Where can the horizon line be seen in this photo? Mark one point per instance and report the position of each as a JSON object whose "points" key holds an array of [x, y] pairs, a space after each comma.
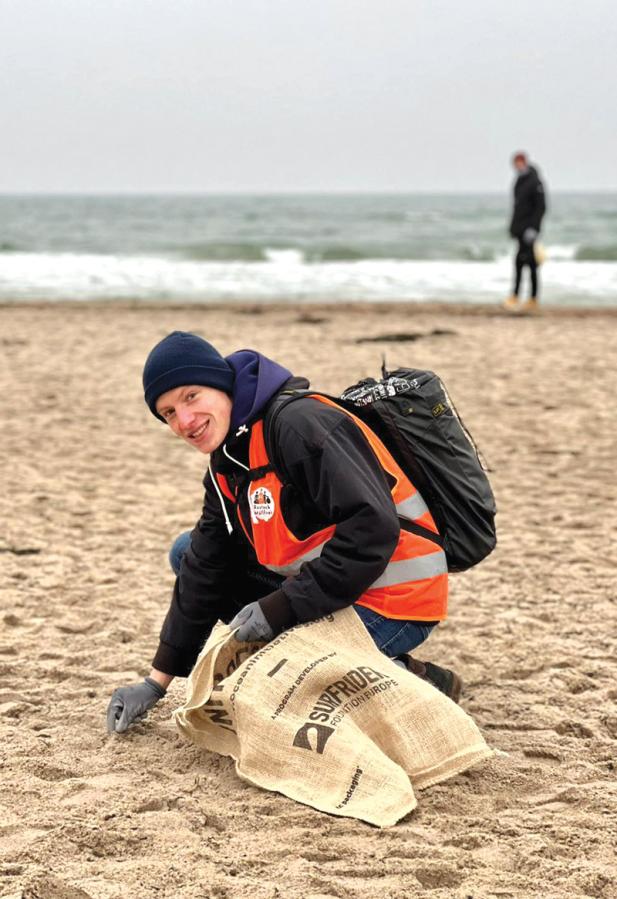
{"points": [[290, 193]]}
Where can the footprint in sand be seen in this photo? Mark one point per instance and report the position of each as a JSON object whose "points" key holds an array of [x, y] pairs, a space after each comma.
{"points": [[52, 888], [573, 729], [435, 877]]}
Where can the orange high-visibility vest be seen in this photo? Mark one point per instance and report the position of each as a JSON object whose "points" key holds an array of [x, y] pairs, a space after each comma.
{"points": [[414, 584]]}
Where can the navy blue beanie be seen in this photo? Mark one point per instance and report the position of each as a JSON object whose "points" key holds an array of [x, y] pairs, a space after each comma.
{"points": [[181, 359]]}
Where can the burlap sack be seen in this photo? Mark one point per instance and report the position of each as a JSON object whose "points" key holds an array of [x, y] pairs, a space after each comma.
{"points": [[320, 715]]}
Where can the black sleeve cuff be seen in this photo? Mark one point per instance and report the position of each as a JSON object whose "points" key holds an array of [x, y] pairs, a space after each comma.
{"points": [[175, 662], [278, 612]]}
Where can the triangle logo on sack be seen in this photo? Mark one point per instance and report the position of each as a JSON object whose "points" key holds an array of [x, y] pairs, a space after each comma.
{"points": [[262, 505]]}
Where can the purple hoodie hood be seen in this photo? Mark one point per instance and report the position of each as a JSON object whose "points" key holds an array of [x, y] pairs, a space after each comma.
{"points": [[257, 379]]}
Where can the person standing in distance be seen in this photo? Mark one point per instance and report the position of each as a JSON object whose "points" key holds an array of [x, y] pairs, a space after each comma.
{"points": [[528, 211], [316, 518]]}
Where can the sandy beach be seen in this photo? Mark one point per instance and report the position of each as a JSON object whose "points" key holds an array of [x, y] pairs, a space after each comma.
{"points": [[95, 490]]}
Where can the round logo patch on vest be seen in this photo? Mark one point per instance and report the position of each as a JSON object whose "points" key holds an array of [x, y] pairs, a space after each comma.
{"points": [[262, 504]]}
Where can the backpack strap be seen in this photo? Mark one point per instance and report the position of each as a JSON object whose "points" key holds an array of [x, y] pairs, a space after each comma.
{"points": [[275, 408], [420, 531], [283, 399]]}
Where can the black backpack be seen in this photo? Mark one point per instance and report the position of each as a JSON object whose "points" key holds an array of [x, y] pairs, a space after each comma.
{"points": [[411, 413]]}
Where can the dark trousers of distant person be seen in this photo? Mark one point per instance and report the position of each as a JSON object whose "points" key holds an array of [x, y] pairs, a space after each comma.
{"points": [[525, 256]]}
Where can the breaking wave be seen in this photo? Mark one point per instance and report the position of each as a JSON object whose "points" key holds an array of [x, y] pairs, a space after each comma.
{"points": [[315, 252], [286, 276]]}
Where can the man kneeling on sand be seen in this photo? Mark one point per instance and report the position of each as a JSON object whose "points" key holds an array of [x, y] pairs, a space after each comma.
{"points": [[296, 523]]}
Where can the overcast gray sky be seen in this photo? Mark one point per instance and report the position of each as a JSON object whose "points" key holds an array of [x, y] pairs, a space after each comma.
{"points": [[305, 95]]}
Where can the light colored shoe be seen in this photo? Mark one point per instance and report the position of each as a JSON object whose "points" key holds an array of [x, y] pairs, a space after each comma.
{"points": [[530, 305], [511, 304]]}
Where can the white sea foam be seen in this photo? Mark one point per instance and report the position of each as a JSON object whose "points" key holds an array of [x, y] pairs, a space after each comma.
{"points": [[285, 276], [284, 257], [561, 252]]}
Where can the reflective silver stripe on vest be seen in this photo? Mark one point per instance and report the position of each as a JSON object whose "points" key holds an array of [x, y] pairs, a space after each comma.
{"points": [[417, 569], [412, 508], [294, 567]]}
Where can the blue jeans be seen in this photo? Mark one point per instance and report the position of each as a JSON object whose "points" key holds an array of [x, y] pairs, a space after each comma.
{"points": [[178, 548], [391, 636]]}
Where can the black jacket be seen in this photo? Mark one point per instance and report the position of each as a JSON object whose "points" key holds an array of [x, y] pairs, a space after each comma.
{"points": [[331, 476], [529, 203]]}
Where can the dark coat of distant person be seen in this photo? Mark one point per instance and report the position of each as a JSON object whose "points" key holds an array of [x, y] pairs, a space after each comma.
{"points": [[529, 203]]}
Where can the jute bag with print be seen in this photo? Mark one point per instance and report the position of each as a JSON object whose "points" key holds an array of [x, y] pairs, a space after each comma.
{"points": [[320, 715]]}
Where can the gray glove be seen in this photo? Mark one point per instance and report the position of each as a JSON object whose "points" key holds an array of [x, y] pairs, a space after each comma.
{"points": [[130, 704], [252, 624], [529, 235]]}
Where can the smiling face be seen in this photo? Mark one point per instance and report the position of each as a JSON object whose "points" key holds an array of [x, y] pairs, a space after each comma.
{"points": [[199, 415]]}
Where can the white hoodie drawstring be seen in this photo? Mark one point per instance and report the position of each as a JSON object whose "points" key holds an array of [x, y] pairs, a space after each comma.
{"points": [[231, 458], [221, 500], [217, 488]]}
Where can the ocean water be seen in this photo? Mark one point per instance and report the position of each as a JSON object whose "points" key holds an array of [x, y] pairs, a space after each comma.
{"points": [[299, 248]]}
